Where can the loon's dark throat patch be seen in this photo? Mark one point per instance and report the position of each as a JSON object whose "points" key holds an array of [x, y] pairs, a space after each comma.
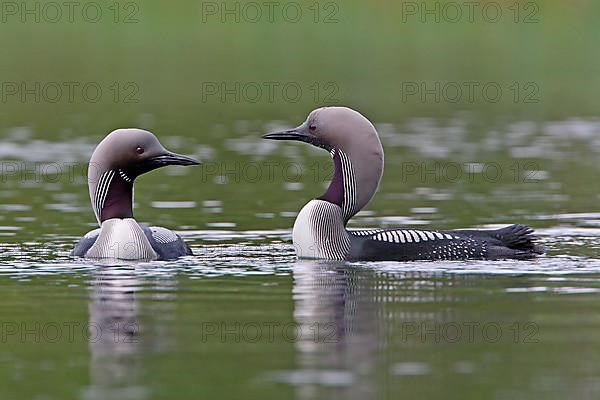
{"points": [[119, 199], [342, 189], [335, 191]]}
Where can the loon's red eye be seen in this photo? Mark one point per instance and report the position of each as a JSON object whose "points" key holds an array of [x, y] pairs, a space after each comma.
{"points": [[312, 127], [139, 150]]}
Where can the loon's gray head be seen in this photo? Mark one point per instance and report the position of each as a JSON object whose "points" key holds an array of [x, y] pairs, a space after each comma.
{"points": [[121, 157], [356, 150]]}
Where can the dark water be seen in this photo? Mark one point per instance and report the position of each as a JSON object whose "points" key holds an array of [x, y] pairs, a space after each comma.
{"points": [[243, 318]]}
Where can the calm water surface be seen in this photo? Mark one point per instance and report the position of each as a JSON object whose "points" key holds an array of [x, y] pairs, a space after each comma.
{"points": [[244, 318]]}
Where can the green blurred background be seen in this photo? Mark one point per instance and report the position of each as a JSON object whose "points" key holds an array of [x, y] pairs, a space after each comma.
{"points": [[368, 50]]}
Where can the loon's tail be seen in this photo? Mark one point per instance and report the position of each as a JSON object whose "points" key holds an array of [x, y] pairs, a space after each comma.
{"points": [[519, 238]]}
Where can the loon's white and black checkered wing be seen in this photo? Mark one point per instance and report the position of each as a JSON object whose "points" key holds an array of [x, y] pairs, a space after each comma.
{"points": [[405, 244], [514, 241], [167, 244], [85, 243], [404, 235]]}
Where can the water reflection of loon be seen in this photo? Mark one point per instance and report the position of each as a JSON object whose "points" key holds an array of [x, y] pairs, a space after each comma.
{"points": [[359, 313], [119, 339], [365, 344], [337, 318]]}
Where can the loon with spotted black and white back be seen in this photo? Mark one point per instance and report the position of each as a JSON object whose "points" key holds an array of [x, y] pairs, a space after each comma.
{"points": [[117, 161], [320, 227]]}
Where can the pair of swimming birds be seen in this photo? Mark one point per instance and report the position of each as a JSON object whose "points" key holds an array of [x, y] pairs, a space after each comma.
{"points": [[320, 228]]}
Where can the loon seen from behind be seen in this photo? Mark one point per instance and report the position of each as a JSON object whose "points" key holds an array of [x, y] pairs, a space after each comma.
{"points": [[320, 228], [117, 161]]}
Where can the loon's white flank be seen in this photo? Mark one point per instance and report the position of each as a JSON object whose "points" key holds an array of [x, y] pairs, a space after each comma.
{"points": [[319, 232], [123, 239]]}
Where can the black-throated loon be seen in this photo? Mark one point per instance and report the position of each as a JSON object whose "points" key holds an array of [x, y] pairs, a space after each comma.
{"points": [[320, 227], [121, 157]]}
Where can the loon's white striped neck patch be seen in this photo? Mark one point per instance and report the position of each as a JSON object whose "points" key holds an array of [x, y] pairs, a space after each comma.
{"points": [[103, 188], [124, 176], [101, 192], [349, 182]]}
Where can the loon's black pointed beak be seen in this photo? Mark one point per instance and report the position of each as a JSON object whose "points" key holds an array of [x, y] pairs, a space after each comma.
{"points": [[170, 158], [290, 134], [300, 134]]}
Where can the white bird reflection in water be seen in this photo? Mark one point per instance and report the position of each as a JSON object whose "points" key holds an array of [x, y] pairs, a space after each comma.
{"points": [[367, 332], [351, 323], [122, 332], [337, 319]]}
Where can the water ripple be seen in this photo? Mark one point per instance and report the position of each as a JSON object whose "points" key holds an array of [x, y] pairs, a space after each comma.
{"points": [[571, 250]]}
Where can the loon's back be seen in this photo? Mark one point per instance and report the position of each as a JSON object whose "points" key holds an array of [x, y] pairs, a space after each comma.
{"points": [[511, 242]]}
